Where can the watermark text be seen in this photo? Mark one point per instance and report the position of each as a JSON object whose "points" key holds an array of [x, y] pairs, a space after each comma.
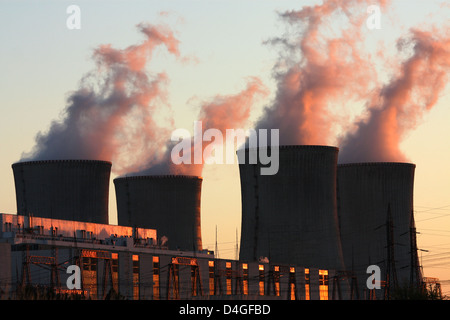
{"points": [[190, 150]]}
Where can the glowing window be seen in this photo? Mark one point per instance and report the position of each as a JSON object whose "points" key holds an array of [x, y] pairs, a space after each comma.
{"points": [[156, 293], [307, 292], [276, 276], [261, 279], [135, 259], [212, 277], [228, 277], [245, 278], [292, 284], [323, 284]]}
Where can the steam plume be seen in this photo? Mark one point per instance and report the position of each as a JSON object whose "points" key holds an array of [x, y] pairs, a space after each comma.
{"points": [[221, 113], [321, 66], [114, 112], [401, 103]]}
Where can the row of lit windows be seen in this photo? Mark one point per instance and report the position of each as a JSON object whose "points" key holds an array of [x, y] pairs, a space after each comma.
{"points": [[323, 281], [90, 264], [323, 284]]}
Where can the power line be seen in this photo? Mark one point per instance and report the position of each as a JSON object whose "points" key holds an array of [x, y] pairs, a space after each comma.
{"points": [[429, 211], [431, 208]]}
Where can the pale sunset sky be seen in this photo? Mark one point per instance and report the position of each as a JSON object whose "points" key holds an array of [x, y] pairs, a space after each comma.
{"points": [[224, 43]]}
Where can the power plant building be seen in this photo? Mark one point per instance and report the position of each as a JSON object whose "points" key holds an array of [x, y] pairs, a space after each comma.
{"points": [[308, 232], [118, 262]]}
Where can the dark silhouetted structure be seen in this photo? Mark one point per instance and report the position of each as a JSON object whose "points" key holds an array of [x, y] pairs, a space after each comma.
{"points": [[63, 189], [291, 216], [170, 204], [375, 203]]}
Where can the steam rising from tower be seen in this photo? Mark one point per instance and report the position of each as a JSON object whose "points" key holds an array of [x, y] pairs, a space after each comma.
{"points": [[115, 112], [321, 65], [400, 105], [119, 115], [220, 113], [167, 196]]}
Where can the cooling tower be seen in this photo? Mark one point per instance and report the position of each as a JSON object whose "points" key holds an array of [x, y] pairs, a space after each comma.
{"points": [[63, 189], [375, 203], [169, 204], [291, 217]]}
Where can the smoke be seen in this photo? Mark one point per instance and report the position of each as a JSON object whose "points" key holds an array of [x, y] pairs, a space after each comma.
{"points": [[119, 113], [220, 113], [116, 113], [321, 67], [399, 106]]}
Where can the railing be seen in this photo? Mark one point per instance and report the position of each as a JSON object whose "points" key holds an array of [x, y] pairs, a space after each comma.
{"points": [[109, 241]]}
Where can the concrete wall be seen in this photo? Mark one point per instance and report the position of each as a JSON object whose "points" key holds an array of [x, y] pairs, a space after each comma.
{"points": [[5, 270], [291, 217], [365, 193], [40, 275], [170, 204]]}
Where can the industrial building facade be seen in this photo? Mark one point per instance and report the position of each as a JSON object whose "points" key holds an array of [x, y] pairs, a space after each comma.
{"points": [[309, 232], [118, 262]]}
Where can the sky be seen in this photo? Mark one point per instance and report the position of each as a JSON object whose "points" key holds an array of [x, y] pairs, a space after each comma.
{"points": [[222, 44]]}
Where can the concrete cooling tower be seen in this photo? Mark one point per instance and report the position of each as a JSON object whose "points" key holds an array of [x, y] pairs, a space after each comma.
{"points": [[63, 189], [375, 205], [169, 204], [291, 217]]}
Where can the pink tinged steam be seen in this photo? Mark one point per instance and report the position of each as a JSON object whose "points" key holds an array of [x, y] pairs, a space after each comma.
{"points": [[399, 106], [112, 115]]}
